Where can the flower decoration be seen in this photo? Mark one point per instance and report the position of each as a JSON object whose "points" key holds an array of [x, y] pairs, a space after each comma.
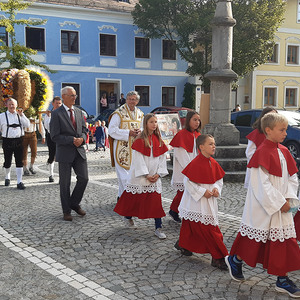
{"points": [[7, 77]]}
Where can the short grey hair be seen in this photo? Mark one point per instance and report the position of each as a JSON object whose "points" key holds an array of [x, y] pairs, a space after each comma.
{"points": [[65, 89], [13, 100], [133, 93]]}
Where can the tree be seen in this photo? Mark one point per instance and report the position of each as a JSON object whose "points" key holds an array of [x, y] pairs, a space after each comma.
{"points": [[16, 54], [188, 23]]}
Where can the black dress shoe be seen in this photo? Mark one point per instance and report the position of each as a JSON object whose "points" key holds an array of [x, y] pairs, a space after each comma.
{"points": [[32, 171], [175, 216], [21, 186], [219, 263], [7, 182], [26, 172], [183, 251], [79, 211], [51, 179], [68, 217]]}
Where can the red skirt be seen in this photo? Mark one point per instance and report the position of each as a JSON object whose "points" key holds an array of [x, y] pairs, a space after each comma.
{"points": [[143, 206], [278, 258], [176, 201], [297, 224], [200, 238]]}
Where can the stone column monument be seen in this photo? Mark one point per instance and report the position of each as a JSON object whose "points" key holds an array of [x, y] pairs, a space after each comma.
{"points": [[221, 76]]}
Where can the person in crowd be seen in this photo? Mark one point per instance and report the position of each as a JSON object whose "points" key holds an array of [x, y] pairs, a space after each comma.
{"points": [[124, 126], [87, 142], [30, 139], [12, 124], [103, 102], [142, 195], [198, 208], [185, 150], [267, 234], [69, 132], [255, 138], [122, 100], [56, 103], [112, 100], [237, 108], [106, 143], [100, 137]]}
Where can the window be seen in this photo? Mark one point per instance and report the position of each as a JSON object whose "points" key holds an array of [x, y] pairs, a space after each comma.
{"points": [[144, 93], [35, 38], [274, 57], [142, 47], [270, 96], [127, 1], [76, 87], [168, 96], [290, 97], [69, 41], [169, 50], [108, 44], [3, 36], [292, 55]]}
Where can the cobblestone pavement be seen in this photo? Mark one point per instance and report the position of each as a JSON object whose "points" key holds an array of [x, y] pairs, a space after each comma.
{"points": [[97, 257]]}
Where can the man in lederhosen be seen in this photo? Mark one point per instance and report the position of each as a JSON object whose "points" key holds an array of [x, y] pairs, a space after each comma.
{"points": [[12, 123]]}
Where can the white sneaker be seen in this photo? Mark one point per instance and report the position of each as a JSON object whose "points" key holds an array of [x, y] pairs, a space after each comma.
{"points": [[129, 222], [160, 234]]}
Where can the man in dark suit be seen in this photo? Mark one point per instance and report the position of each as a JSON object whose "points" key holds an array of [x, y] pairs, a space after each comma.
{"points": [[68, 131]]}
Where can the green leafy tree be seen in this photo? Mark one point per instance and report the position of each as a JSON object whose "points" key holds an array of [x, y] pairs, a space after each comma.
{"points": [[16, 54], [188, 23]]}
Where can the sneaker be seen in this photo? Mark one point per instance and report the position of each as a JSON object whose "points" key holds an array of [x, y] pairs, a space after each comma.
{"points": [[21, 186], [51, 179], [175, 216], [160, 234], [235, 270], [285, 285], [26, 172], [7, 182], [129, 222], [183, 251], [32, 171]]}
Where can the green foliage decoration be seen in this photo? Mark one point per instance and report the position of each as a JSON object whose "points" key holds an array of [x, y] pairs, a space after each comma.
{"points": [[189, 95]]}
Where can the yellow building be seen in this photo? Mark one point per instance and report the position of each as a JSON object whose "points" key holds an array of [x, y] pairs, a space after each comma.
{"points": [[277, 82]]}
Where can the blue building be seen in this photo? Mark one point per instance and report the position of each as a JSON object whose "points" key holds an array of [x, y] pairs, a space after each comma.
{"points": [[96, 48]]}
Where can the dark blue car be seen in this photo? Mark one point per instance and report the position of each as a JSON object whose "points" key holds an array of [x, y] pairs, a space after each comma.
{"points": [[243, 121]]}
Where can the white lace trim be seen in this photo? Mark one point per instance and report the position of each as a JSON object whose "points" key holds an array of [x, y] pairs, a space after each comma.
{"points": [[199, 217], [273, 234], [139, 189], [178, 186]]}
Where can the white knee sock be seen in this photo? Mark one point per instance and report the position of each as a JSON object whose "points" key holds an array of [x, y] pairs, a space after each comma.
{"points": [[51, 169], [7, 173], [19, 172]]}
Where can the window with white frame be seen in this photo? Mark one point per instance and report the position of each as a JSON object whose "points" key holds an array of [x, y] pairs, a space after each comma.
{"points": [[169, 50], [144, 92], [292, 55], [275, 55], [69, 41], [3, 36], [270, 96], [107, 44], [291, 97], [35, 38], [142, 49], [76, 87], [168, 96]]}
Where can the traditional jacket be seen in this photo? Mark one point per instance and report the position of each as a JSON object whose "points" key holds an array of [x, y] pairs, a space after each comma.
{"points": [[129, 120]]}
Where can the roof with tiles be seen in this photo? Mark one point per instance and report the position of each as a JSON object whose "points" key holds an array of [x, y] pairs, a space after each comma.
{"points": [[113, 5]]}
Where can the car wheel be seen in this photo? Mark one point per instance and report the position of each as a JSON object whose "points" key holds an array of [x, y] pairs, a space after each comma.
{"points": [[294, 148]]}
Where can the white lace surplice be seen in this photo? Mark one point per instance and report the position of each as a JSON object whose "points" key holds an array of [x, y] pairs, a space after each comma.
{"points": [[141, 166], [262, 219], [195, 207]]}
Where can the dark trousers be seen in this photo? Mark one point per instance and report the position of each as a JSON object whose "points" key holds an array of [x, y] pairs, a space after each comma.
{"points": [[157, 222], [51, 148], [71, 201], [12, 147]]}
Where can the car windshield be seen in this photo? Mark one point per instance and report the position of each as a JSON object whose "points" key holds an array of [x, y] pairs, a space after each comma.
{"points": [[292, 116], [182, 113]]}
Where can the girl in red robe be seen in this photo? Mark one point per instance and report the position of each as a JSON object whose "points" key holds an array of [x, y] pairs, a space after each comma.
{"points": [[185, 150], [142, 195]]}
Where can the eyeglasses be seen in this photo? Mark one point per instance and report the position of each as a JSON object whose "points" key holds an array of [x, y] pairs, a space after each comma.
{"points": [[73, 96]]}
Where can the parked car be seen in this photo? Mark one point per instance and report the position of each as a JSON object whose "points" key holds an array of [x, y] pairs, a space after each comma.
{"points": [[182, 112], [243, 121], [85, 113], [104, 116]]}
